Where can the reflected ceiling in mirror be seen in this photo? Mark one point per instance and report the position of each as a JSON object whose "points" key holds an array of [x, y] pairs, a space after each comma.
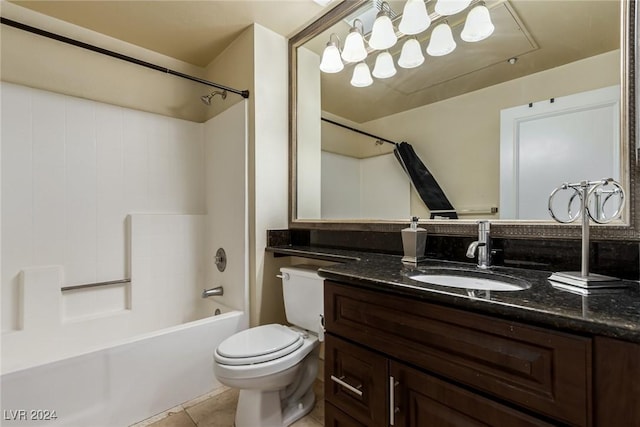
{"points": [[540, 34]]}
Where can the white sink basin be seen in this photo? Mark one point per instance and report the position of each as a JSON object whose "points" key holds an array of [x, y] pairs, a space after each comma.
{"points": [[470, 280]]}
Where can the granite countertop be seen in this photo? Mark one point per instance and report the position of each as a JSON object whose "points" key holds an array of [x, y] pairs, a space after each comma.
{"points": [[614, 314]]}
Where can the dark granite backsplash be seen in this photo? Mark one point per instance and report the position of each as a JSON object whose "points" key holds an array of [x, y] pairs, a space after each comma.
{"points": [[615, 258]]}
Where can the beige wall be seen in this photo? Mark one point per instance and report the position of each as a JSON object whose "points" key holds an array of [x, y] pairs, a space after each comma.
{"points": [[269, 161], [459, 139], [39, 62], [232, 68]]}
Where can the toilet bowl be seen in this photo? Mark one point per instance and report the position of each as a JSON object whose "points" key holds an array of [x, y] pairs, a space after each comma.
{"points": [[275, 366]]}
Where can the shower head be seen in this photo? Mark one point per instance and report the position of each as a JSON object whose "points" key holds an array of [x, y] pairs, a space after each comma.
{"points": [[206, 99]]}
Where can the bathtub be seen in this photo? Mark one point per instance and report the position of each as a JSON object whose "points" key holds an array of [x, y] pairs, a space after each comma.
{"points": [[123, 383]]}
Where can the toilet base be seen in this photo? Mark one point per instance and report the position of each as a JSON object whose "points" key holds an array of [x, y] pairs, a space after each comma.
{"points": [[284, 406], [267, 411], [293, 413]]}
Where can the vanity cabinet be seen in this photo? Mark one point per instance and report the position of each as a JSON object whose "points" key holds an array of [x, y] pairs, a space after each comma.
{"points": [[414, 397], [393, 360], [356, 382]]}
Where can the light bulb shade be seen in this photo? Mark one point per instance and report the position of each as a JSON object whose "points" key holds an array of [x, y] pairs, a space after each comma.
{"points": [[415, 18], [331, 62], [384, 67], [354, 50], [478, 25], [383, 36], [441, 42], [451, 7], [361, 76], [411, 55]]}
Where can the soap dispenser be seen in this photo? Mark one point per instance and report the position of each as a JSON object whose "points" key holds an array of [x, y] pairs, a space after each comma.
{"points": [[414, 242]]}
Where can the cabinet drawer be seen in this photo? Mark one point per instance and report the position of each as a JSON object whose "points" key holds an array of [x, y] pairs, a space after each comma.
{"points": [[541, 370], [422, 400], [334, 417], [355, 381]]}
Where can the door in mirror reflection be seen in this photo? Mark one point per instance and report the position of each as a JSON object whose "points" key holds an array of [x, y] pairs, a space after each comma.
{"points": [[569, 139]]}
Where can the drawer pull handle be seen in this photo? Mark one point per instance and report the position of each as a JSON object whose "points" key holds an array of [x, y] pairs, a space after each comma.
{"points": [[393, 409], [346, 385]]}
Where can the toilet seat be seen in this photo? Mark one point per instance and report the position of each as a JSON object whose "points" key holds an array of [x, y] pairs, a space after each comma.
{"points": [[237, 375], [258, 345]]}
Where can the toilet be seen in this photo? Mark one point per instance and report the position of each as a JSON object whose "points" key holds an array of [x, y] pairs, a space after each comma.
{"points": [[275, 366]]}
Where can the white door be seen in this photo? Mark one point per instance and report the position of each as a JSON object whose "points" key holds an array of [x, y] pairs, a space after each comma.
{"points": [[542, 145]]}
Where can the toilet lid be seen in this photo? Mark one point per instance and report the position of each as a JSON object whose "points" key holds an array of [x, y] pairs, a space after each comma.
{"points": [[258, 344]]}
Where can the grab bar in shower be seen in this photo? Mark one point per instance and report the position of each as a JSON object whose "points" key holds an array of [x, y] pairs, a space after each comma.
{"points": [[95, 285], [213, 292]]}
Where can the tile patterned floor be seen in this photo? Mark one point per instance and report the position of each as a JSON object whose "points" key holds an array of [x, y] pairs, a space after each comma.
{"points": [[218, 410]]}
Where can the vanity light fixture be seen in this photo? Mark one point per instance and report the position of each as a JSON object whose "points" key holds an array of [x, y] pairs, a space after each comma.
{"points": [[411, 55], [331, 62], [384, 67], [361, 75], [383, 36], [441, 42], [451, 7], [354, 50], [478, 25], [415, 18]]}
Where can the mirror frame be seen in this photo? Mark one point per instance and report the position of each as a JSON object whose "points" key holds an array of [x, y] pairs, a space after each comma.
{"points": [[499, 228]]}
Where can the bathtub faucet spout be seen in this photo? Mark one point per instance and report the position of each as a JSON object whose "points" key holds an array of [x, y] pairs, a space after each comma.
{"points": [[213, 292]]}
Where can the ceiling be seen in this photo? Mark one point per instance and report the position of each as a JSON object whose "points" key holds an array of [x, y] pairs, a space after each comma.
{"points": [[191, 31]]}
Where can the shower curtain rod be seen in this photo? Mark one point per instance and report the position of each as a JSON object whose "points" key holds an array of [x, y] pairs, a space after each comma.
{"points": [[359, 131], [30, 29]]}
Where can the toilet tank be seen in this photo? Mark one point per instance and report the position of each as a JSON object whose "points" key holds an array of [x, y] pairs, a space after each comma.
{"points": [[303, 291]]}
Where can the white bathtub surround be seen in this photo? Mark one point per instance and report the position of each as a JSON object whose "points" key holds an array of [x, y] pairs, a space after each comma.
{"points": [[354, 187], [41, 286], [93, 192], [227, 222], [72, 169], [167, 271]]}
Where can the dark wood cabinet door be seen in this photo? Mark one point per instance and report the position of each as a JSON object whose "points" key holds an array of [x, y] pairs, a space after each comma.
{"points": [[544, 371], [421, 400], [355, 381], [333, 417], [617, 383]]}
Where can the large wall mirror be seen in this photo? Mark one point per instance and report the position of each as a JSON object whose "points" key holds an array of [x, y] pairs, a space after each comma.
{"points": [[547, 97]]}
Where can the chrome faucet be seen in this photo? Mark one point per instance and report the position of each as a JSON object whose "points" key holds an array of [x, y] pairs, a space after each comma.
{"points": [[213, 292], [482, 245]]}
